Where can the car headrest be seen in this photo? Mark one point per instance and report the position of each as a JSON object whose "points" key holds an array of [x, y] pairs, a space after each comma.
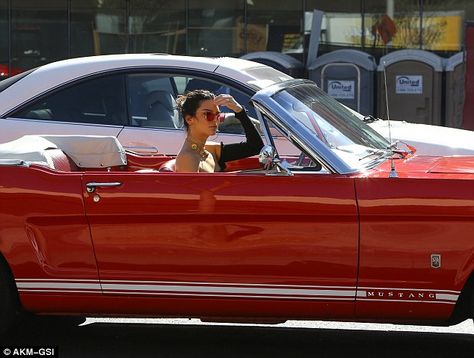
{"points": [[162, 110], [163, 97]]}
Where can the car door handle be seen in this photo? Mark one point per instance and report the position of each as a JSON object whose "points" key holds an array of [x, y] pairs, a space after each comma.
{"points": [[91, 186]]}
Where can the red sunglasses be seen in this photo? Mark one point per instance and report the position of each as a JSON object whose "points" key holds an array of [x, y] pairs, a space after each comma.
{"points": [[211, 116]]}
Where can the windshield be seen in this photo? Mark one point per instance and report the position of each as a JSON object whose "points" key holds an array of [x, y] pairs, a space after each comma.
{"points": [[335, 126]]}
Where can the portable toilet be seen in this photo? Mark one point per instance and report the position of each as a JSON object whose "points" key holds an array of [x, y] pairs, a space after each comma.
{"points": [[279, 61], [348, 76], [414, 82], [455, 70]]}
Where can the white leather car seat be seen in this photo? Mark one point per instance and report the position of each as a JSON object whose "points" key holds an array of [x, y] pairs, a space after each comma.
{"points": [[161, 110]]}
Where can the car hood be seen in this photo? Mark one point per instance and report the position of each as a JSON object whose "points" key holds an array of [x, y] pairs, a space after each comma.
{"points": [[460, 167], [453, 165], [428, 139]]}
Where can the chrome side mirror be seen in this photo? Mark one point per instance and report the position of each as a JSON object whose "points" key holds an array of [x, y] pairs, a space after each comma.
{"points": [[267, 157]]}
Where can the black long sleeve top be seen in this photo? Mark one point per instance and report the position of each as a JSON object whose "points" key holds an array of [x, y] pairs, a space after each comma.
{"points": [[250, 147]]}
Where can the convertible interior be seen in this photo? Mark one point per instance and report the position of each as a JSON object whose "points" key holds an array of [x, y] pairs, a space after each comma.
{"points": [[73, 153]]}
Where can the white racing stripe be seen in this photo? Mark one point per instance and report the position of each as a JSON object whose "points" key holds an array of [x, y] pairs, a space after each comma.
{"points": [[33, 290], [234, 290], [231, 284], [199, 289], [313, 298], [447, 297], [227, 290], [61, 285], [402, 301]]}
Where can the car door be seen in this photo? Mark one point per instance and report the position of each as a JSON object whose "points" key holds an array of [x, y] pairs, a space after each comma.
{"points": [[94, 106], [45, 237], [226, 243]]}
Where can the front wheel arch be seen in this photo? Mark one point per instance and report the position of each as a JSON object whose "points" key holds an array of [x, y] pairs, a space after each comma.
{"points": [[9, 301], [464, 308]]}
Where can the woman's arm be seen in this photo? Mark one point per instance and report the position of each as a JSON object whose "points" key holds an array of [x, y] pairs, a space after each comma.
{"points": [[250, 147]]}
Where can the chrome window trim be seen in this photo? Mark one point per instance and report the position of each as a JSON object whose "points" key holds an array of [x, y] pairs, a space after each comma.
{"points": [[315, 148], [309, 151]]}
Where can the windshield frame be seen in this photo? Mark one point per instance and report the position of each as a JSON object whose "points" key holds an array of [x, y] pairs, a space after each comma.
{"points": [[304, 138]]}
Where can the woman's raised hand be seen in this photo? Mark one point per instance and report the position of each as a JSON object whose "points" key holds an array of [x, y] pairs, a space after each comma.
{"points": [[228, 101]]}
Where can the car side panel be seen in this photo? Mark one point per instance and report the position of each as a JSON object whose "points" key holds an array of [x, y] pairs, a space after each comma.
{"points": [[406, 227], [44, 235], [228, 237]]}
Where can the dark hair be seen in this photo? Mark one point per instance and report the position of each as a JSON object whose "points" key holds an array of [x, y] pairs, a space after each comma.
{"points": [[188, 103]]}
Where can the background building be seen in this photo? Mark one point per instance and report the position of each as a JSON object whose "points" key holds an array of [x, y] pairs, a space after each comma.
{"points": [[35, 32]]}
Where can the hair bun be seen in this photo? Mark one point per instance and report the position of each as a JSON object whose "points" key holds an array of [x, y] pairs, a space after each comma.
{"points": [[180, 101]]}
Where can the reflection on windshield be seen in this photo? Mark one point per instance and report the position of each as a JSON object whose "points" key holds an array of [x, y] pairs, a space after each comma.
{"points": [[333, 125]]}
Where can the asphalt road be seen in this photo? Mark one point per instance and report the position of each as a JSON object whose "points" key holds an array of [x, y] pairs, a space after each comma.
{"points": [[191, 338]]}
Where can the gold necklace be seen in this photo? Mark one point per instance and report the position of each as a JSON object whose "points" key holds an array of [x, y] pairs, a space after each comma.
{"points": [[203, 153]]}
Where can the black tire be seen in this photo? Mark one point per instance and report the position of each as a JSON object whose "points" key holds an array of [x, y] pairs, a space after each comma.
{"points": [[464, 308], [472, 303], [33, 321], [8, 299]]}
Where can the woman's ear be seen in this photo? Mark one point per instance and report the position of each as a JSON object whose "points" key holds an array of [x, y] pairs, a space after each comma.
{"points": [[189, 119]]}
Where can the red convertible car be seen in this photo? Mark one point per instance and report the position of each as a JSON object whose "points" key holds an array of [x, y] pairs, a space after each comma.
{"points": [[341, 226]]}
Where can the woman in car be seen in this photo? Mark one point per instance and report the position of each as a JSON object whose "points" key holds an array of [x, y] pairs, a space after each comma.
{"points": [[200, 111]]}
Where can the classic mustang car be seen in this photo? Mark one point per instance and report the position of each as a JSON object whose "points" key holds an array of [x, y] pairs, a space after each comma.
{"points": [[132, 97], [334, 224]]}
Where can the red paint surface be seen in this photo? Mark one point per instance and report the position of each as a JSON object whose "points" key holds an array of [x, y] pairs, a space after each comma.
{"points": [[263, 243]]}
